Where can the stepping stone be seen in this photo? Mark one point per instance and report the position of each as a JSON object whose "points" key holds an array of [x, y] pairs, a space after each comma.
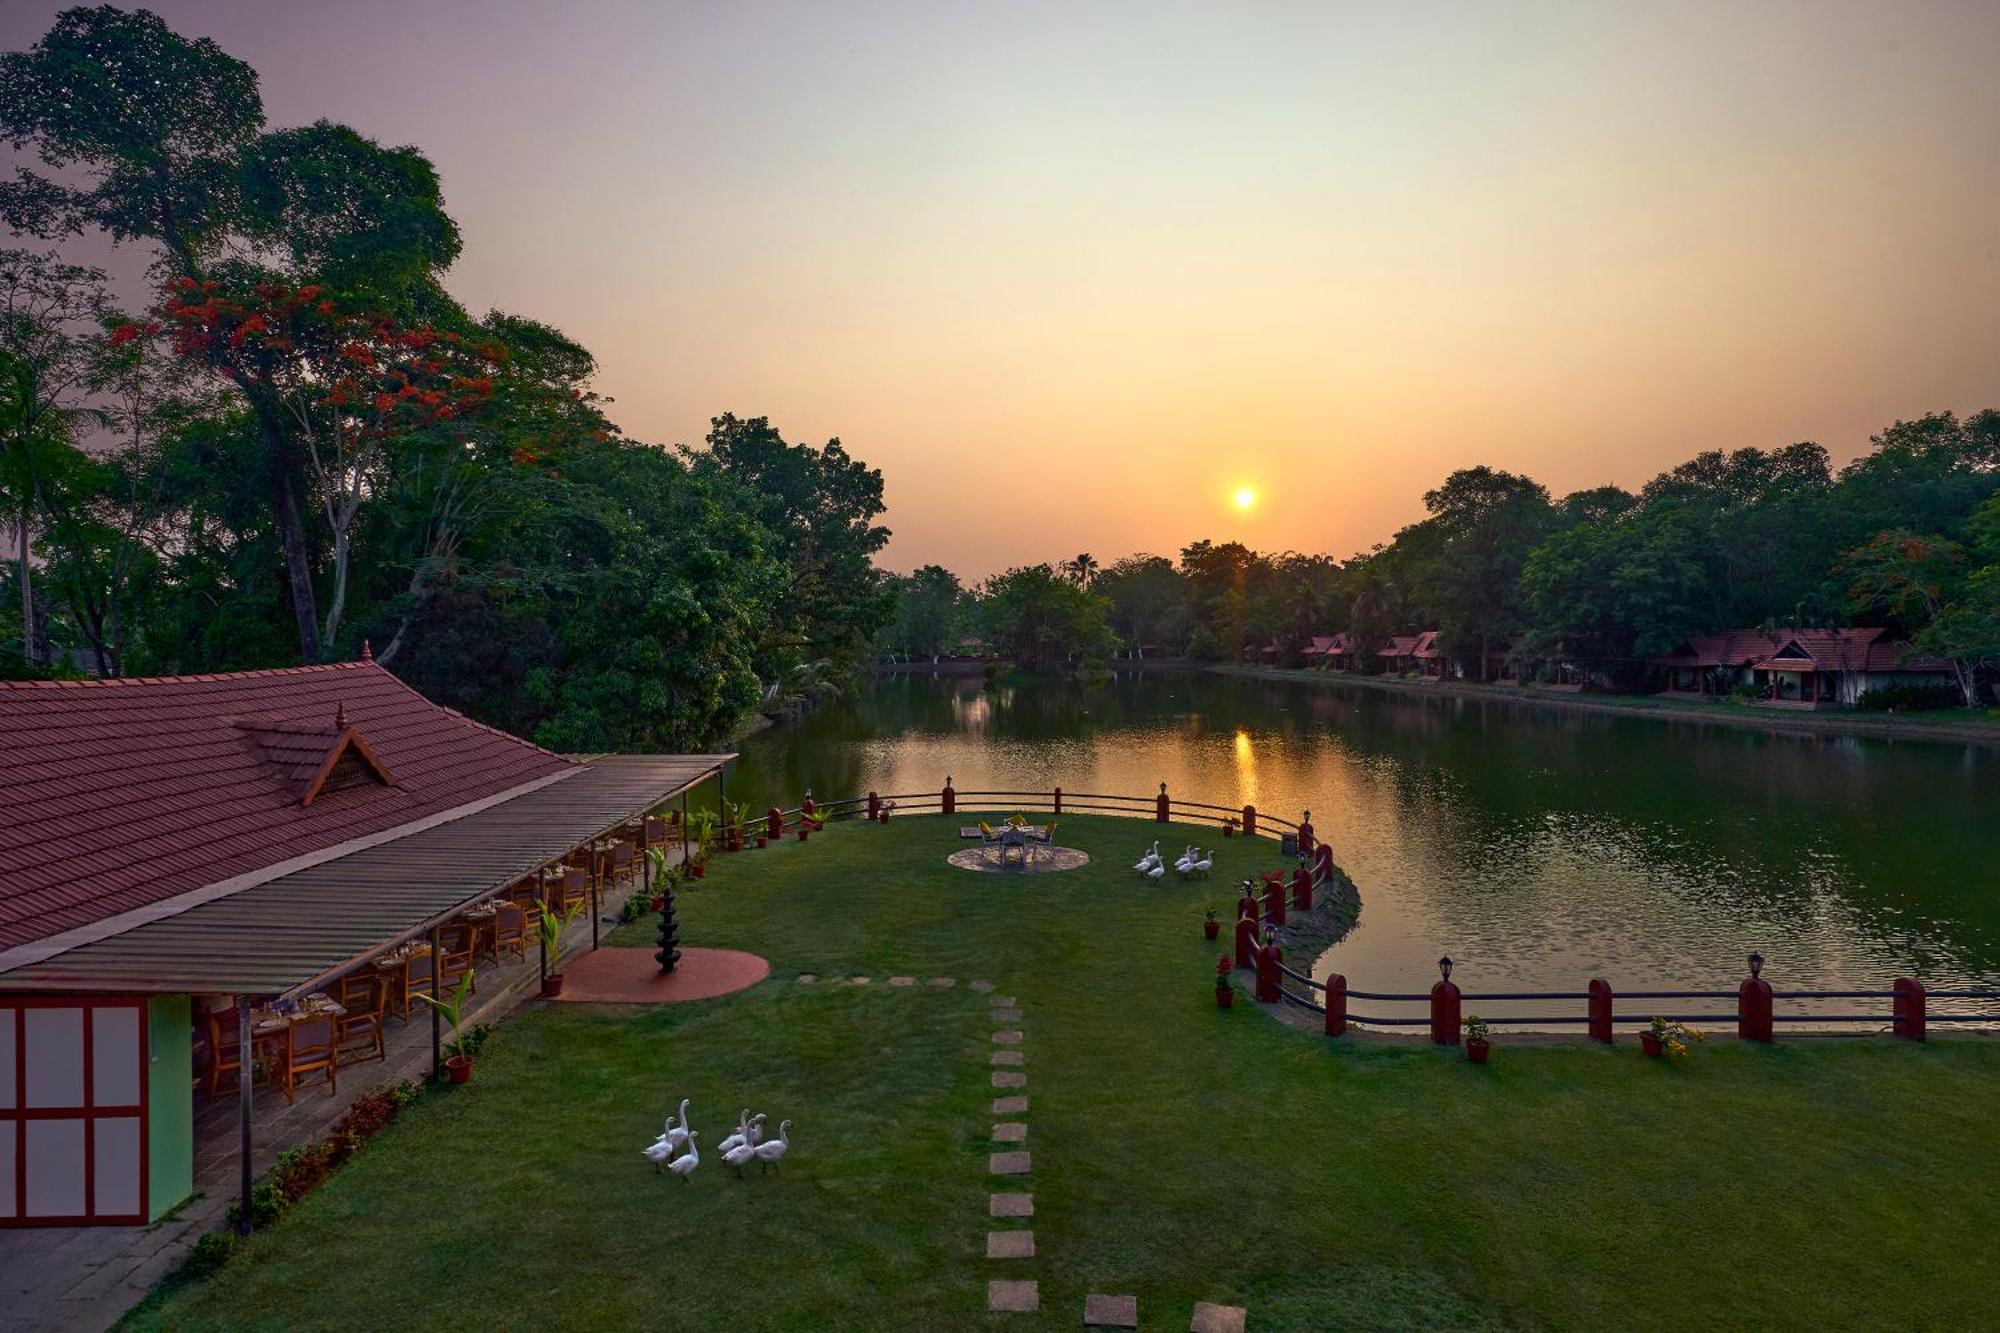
{"points": [[1011, 1205], [980, 985], [1003, 1002], [1012, 1297], [902, 981], [1011, 1131], [1011, 1037], [1010, 1245], [807, 978], [942, 982], [1210, 1318], [1006, 1015], [1009, 1057], [1010, 1106], [1009, 1078], [1110, 1311], [1007, 1163]]}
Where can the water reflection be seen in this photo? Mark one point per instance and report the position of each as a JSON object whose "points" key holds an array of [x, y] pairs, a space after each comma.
{"points": [[1538, 847]]}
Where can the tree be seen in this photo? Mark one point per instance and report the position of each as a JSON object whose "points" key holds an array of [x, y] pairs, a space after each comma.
{"points": [[1485, 524], [928, 613], [1148, 599], [1041, 619], [1932, 584], [1080, 569]]}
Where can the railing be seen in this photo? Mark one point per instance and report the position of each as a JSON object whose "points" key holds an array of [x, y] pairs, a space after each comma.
{"points": [[1909, 1012]]}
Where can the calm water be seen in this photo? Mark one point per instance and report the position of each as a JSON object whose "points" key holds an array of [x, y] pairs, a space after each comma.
{"points": [[1538, 847]]}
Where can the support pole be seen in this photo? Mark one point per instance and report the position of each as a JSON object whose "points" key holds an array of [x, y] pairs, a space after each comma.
{"points": [[437, 1019], [684, 828], [246, 1063]]}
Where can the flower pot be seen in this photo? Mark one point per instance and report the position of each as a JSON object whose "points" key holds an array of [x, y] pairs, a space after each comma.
{"points": [[459, 1067], [658, 903], [1225, 997], [1652, 1045], [803, 833], [1211, 928], [763, 840], [1477, 1049], [696, 869], [552, 984]]}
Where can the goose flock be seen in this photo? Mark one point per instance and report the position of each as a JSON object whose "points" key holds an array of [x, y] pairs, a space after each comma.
{"points": [[746, 1145], [1193, 861]]}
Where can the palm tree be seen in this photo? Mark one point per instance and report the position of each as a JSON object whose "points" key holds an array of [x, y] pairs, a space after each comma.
{"points": [[1082, 570]]}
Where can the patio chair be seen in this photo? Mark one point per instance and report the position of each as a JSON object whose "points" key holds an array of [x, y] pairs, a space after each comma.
{"points": [[510, 931], [305, 1048], [419, 978], [624, 865], [359, 1034], [225, 1053], [990, 839], [456, 941], [573, 891]]}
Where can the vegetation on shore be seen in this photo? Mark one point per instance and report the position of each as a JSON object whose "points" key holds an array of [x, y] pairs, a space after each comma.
{"points": [[1180, 1152]]}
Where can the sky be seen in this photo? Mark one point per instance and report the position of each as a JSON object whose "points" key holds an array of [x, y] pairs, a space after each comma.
{"points": [[1074, 276]]}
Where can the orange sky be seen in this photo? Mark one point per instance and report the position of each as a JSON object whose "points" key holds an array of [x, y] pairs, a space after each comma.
{"points": [[1071, 278]]}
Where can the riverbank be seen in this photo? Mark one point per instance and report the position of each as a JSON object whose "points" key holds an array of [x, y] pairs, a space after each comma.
{"points": [[1882, 725]]}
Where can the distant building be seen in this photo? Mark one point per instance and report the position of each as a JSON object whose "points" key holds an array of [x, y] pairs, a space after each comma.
{"points": [[1800, 668]]}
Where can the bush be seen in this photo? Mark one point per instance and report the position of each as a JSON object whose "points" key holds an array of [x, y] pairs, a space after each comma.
{"points": [[1911, 696], [209, 1253]]}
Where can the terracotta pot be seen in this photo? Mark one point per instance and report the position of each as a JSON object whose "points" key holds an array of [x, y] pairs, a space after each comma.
{"points": [[696, 869], [1211, 928], [552, 984], [803, 833], [1225, 997], [1477, 1049], [1652, 1045], [659, 903], [763, 840], [459, 1067]]}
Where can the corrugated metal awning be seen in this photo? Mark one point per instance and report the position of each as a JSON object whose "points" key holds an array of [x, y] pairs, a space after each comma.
{"points": [[296, 931]]}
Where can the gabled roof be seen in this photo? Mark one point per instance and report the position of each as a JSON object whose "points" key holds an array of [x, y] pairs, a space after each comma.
{"points": [[118, 794], [1426, 644], [1728, 648], [1860, 649]]}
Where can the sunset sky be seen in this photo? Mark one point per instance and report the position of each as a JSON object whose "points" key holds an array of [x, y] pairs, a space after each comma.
{"points": [[1074, 275]]}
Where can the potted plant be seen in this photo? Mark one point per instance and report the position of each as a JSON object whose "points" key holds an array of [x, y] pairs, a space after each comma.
{"points": [[1668, 1036], [458, 1064], [1225, 987], [1211, 925], [701, 840], [1229, 827], [553, 927], [1477, 1044], [666, 877]]}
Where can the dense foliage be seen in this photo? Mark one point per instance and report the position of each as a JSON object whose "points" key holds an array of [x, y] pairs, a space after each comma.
{"points": [[301, 442], [1906, 536]]}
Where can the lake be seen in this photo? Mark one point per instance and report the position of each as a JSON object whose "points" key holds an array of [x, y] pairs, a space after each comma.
{"points": [[1539, 847]]}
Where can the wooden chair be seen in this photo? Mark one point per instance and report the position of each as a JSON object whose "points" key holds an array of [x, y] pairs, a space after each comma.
{"points": [[225, 1053], [457, 942], [419, 978], [510, 931], [572, 892], [361, 1034], [306, 1047], [624, 866]]}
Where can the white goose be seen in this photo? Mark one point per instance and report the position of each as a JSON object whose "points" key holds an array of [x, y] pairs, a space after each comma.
{"points": [[1206, 864], [1158, 872], [684, 1166], [770, 1154], [748, 1130], [674, 1135], [1186, 863], [1149, 860], [739, 1157]]}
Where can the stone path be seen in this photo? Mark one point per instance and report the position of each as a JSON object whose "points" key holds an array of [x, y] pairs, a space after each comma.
{"points": [[1011, 1245]]}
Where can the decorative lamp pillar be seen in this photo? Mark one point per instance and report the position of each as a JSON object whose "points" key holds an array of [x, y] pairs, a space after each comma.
{"points": [[1274, 902], [1302, 890], [1336, 1005], [1057, 808], [1249, 821], [948, 799], [1600, 1011], [1445, 1006], [874, 806], [1268, 959], [1246, 940], [1306, 835], [1160, 805], [1753, 1004], [1247, 904], [670, 933], [1909, 1008], [808, 810], [774, 823], [1322, 863]]}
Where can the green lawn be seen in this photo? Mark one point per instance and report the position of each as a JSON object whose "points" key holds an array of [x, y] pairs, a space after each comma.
{"points": [[1180, 1153]]}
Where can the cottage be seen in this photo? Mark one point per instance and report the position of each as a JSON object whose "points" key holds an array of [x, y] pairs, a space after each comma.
{"points": [[1801, 668], [1414, 652], [187, 859]]}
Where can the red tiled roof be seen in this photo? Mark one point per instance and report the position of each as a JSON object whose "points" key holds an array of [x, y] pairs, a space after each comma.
{"points": [[115, 794], [1730, 648]]}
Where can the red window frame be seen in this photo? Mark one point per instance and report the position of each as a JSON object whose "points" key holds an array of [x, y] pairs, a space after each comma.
{"points": [[13, 1010]]}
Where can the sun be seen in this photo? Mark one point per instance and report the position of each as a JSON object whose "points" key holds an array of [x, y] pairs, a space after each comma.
{"points": [[1245, 499]]}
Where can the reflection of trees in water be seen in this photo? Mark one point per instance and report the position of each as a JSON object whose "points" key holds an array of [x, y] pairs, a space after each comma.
{"points": [[1498, 817]]}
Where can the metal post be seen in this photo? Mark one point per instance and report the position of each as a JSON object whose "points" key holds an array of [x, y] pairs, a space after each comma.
{"points": [[684, 828], [437, 1019], [245, 1065], [596, 909]]}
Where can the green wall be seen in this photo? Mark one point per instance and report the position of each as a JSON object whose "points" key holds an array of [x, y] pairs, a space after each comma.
{"points": [[169, 1103]]}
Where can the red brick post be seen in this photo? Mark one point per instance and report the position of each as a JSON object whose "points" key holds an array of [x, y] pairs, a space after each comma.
{"points": [[808, 811], [1274, 902], [1753, 1003], [948, 799], [874, 806], [1249, 821], [1445, 1007], [1268, 959], [1336, 1005], [1306, 834], [1909, 1008], [1160, 804], [1302, 890], [1323, 863], [1600, 1011], [1247, 904], [1246, 940], [774, 823], [1058, 809]]}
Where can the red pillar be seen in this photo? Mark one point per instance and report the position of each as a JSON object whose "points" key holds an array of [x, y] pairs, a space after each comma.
{"points": [[1753, 1004], [1323, 864], [1247, 904], [807, 810], [1160, 804], [1249, 821], [1445, 1012], [874, 806], [1600, 1011], [1909, 1008], [1336, 1005], [1246, 940], [1306, 835], [1274, 902], [1268, 959], [1302, 890], [774, 823], [948, 799], [1058, 805]]}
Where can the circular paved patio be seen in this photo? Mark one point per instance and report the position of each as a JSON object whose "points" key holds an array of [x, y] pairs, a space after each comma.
{"points": [[1047, 859], [633, 976]]}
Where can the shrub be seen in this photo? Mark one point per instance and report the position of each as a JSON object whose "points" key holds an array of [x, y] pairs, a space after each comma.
{"points": [[209, 1253], [1912, 696]]}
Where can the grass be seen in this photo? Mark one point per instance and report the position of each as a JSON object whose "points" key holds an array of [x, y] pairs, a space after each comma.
{"points": [[1180, 1152]]}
